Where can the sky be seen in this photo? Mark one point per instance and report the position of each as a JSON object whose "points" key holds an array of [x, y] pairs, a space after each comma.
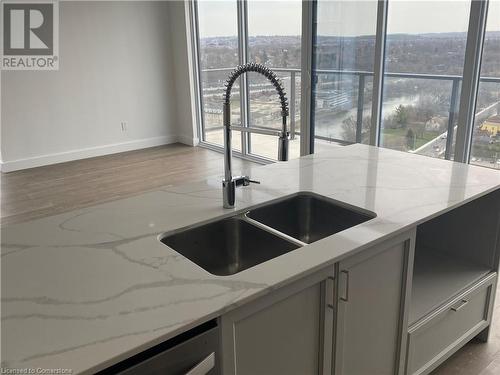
{"points": [[347, 17]]}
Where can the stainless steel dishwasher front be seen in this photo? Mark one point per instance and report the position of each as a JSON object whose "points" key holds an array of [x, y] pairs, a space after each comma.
{"points": [[194, 352]]}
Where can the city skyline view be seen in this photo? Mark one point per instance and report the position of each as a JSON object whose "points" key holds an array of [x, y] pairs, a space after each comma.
{"points": [[262, 15], [424, 62]]}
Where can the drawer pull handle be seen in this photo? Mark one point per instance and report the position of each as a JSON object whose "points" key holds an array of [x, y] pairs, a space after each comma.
{"points": [[204, 366], [331, 280], [462, 304], [345, 297]]}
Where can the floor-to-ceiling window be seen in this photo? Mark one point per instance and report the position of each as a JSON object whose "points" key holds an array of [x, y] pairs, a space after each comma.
{"points": [[423, 48], [274, 41], [389, 73], [343, 48], [230, 33], [424, 60], [486, 132], [218, 50]]}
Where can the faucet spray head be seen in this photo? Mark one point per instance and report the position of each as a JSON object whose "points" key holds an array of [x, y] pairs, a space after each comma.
{"points": [[265, 71]]}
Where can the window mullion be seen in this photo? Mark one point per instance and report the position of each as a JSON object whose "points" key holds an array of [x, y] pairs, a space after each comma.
{"points": [[243, 58], [306, 123], [470, 84], [196, 74], [378, 72]]}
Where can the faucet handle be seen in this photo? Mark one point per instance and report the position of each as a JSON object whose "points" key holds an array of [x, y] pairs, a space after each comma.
{"points": [[247, 181], [244, 181]]}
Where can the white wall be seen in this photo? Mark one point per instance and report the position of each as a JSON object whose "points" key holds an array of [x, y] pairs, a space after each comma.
{"points": [[118, 62], [183, 69]]}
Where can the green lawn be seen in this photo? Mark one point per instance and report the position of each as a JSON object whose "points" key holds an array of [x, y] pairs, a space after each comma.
{"points": [[396, 138]]}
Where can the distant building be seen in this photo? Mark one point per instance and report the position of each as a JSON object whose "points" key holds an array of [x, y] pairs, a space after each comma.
{"points": [[436, 123], [492, 125], [333, 99]]}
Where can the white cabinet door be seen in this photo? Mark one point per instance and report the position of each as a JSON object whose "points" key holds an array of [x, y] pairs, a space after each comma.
{"points": [[282, 333], [370, 309]]}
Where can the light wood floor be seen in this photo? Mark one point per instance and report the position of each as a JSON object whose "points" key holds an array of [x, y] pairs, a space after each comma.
{"points": [[54, 189]]}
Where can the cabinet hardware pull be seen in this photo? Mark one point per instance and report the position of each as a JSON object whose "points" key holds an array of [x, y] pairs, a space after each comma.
{"points": [[204, 366], [345, 298], [463, 302], [332, 305]]}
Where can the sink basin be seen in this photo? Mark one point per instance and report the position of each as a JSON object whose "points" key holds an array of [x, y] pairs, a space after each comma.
{"points": [[309, 217], [228, 246]]}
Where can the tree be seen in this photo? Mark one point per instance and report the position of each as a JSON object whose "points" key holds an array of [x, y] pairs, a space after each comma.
{"points": [[428, 106], [264, 57], [410, 139], [284, 58], [401, 115], [349, 129]]}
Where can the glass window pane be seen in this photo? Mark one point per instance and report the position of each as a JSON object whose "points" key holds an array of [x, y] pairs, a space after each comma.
{"points": [[218, 54], [486, 134], [274, 39], [343, 57], [424, 59]]}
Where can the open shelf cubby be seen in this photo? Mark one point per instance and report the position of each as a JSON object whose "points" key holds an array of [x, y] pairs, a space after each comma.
{"points": [[453, 252], [437, 277]]}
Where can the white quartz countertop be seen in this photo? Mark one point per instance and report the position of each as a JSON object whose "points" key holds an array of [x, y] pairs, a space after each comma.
{"points": [[86, 289]]}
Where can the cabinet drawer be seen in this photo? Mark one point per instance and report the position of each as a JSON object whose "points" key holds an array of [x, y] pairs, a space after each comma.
{"points": [[439, 335]]}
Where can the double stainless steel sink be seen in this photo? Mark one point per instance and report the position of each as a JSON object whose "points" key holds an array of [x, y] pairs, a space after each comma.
{"points": [[230, 245]]}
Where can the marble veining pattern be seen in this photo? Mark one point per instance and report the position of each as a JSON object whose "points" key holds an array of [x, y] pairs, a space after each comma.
{"points": [[85, 289]]}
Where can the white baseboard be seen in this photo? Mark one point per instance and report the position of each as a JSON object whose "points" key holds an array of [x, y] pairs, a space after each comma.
{"points": [[187, 140], [84, 153]]}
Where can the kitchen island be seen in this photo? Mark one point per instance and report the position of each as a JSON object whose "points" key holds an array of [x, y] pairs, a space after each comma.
{"points": [[87, 289]]}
